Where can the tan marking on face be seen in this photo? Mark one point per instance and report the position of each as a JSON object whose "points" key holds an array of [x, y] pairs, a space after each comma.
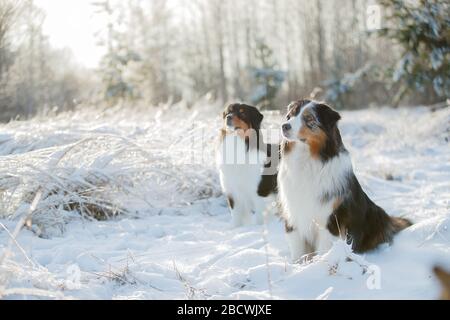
{"points": [[241, 124], [316, 140]]}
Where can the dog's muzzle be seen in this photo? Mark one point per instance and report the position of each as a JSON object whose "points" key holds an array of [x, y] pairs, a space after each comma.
{"points": [[229, 121], [286, 128]]}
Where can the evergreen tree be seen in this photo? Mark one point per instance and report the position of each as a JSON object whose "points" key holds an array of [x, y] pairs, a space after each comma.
{"points": [[114, 64], [267, 76], [422, 29]]}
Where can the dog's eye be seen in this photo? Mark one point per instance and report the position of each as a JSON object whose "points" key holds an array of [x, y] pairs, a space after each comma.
{"points": [[309, 120]]}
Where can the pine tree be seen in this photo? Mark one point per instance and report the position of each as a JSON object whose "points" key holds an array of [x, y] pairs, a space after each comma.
{"points": [[267, 76], [114, 63], [422, 29]]}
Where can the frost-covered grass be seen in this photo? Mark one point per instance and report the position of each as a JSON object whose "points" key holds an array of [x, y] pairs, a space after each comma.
{"points": [[104, 164], [123, 211]]}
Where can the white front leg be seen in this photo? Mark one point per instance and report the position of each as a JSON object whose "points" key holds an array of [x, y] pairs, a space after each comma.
{"points": [[263, 209], [296, 245], [241, 214]]}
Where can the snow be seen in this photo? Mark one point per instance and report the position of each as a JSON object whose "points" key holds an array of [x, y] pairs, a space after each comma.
{"points": [[172, 238]]}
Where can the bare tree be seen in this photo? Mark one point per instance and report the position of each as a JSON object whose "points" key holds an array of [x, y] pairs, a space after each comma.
{"points": [[32, 76], [218, 13], [8, 14], [157, 52]]}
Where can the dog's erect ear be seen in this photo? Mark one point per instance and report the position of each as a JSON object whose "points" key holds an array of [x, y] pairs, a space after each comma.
{"points": [[300, 104], [327, 115], [291, 106]]}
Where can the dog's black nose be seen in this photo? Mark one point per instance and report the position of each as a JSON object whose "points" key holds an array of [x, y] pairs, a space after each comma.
{"points": [[286, 127]]}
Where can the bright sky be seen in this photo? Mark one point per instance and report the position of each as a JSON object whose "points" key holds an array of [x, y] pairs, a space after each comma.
{"points": [[72, 24]]}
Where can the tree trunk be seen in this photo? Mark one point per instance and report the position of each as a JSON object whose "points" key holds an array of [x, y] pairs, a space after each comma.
{"points": [[218, 10]]}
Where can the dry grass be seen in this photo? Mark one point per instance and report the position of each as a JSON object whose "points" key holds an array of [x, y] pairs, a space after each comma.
{"points": [[104, 166]]}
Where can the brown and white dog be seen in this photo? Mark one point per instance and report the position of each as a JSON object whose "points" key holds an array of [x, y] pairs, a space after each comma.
{"points": [[247, 166], [319, 193]]}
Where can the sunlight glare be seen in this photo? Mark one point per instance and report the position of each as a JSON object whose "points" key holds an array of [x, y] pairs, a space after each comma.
{"points": [[73, 24]]}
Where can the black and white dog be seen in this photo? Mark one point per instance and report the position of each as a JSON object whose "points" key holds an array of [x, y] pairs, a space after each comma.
{"points": [[247, 166], [319, 193]]}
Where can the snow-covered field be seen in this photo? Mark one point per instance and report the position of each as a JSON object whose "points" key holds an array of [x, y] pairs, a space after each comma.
{"points": [[171, 237]]}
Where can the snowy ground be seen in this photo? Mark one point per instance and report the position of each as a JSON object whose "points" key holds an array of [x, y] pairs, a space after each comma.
{"points": [[172, 238]]}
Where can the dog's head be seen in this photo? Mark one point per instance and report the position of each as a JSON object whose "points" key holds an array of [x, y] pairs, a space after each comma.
{"points": [[242, 117], [314, 124]]}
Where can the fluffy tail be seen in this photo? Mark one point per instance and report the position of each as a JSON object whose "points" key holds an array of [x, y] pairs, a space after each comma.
{"points": [[399, 224]]}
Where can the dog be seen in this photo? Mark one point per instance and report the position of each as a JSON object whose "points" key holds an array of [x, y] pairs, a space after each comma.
{"points": [[247, 166], [320, 195]]}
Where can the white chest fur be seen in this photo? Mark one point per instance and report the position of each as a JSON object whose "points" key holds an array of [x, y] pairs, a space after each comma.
{"points": [[302, 182], [240, 175]]}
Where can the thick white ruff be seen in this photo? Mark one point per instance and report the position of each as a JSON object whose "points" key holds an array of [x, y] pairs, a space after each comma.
{"points": [[302, 182], [240, 175]]}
